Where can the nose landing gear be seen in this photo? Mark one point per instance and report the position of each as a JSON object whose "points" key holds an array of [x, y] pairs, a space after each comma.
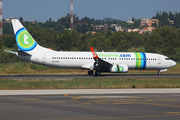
{"points": [[159, 72]]}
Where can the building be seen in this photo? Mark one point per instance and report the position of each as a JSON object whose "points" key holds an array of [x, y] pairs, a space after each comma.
{"points": [[129, 22], [149, 22], [147, 29], [9, 20], [100, 27], [117, 27], [171, 21]]}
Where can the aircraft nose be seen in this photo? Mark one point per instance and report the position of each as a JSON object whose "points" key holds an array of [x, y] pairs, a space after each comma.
{"points": [[173, 63]]}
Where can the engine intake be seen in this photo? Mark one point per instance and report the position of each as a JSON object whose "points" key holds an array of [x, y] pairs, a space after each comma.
{"points": [[119, 68]]}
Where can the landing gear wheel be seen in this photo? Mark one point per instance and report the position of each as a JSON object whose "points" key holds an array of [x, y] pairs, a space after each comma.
{"points": [[90, 72], [159, 73], [97, 73]]}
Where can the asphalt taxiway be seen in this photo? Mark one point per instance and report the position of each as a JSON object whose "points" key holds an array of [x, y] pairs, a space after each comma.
{"points": [[20, 77], [90, 104]]}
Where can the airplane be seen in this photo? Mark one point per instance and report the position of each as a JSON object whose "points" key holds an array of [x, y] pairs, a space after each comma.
{"points": [[115, 62]]}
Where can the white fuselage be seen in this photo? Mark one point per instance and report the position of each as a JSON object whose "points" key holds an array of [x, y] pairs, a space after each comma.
{"points": [[84, 60]]}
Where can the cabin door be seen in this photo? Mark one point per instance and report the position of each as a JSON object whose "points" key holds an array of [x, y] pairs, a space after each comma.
{"points": [[43, 58], [159, 60]]}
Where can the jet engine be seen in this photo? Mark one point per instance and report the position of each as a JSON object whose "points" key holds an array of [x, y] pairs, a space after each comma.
{"points": [[119, 68]]}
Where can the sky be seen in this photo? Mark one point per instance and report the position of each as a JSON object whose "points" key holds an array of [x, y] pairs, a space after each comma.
{"points": [[42, 10]]}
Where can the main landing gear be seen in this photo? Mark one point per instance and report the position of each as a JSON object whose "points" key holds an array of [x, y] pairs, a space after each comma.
{"points": [[90, 72], [159, 73], [97, 73]]}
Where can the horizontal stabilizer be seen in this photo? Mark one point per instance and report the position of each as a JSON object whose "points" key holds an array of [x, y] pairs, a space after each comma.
{"points": [[11, 52]]}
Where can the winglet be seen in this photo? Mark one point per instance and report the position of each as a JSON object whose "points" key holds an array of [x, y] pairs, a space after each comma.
{"points": [[95, 56]]}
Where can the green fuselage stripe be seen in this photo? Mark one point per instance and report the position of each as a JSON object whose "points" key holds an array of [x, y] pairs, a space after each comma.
{"points": [[138, 61]]}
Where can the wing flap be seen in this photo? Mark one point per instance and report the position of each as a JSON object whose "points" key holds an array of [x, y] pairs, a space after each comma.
{"points": [[88, 66]]}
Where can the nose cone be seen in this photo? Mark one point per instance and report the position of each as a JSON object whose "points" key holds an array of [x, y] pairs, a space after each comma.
{"points": [[173, 63]]}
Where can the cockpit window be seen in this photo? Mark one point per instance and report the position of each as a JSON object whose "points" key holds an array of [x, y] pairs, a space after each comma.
{"points": [[167, 59]]}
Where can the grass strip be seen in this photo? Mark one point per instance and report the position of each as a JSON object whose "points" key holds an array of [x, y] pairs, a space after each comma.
{"points": [[24, 68], [97, 83]]}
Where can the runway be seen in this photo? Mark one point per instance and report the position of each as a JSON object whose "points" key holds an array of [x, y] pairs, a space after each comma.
{"points": [[60, 77], [90, 104]]}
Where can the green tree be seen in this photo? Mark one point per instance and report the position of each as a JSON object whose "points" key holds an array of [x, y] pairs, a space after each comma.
{"points": [[108, 33], [75, 37], [171, 44], [66, 40], [123, 46], [9, 41], [116, 37], [135, 39], [83, 42], [104, 45], [154, 43]]}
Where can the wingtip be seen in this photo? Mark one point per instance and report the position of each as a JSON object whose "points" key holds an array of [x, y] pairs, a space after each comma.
{"points": [[95, 56]]}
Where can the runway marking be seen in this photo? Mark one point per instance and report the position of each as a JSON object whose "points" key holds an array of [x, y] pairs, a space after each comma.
{"points": [[14, 107], [75, 98], [158, 104], [59, 101], [20, 99], [122, 103], [29, 99], [75, 105], [172, 112], [26, 102], [126, 117], [134, 102], [99, 97], [146, 103], [87, 103], [168, 100]]}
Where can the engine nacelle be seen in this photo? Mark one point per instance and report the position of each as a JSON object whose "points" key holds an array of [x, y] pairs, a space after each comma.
{"points": [[119, 68]]}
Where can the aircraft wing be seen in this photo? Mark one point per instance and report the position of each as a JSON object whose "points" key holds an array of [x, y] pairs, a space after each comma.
{"points": [[98, 61]]}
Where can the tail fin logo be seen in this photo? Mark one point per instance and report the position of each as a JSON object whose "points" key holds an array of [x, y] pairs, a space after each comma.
{"points": [[24, 40]]}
